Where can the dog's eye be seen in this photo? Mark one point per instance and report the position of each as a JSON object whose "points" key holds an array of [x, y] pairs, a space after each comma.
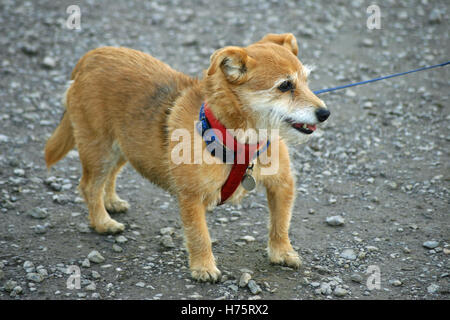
{"points": [[286, 86]]}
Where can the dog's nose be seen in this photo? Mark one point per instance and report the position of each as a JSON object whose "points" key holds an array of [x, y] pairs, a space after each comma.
{"points": [[322, 114]]}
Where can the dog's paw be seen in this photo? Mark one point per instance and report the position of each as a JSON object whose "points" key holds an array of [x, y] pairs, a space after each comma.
{"points": [[117, 205], [109, 226], [206, 274], [286, 258]]}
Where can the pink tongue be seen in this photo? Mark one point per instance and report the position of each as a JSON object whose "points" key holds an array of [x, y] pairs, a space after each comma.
{"points": [[311, 127]]}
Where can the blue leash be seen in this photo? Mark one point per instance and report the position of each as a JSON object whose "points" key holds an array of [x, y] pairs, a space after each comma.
{"points": [[380, 78]]}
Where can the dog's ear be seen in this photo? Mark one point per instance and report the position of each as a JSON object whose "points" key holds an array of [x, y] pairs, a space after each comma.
{"points": [[233, 61], [287, 40]]}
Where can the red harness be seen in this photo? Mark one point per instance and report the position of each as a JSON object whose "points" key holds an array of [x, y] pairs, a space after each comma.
{"points": [[243, 155]]}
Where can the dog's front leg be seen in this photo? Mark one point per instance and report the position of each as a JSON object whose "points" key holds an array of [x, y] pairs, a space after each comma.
{"points": [[281, 195], [201, 259]]}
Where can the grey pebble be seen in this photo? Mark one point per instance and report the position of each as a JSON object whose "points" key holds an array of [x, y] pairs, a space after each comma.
{"points": [[35, 277], [91, 287], [340, 292], [40, 229], [430, 244], [16, 290], [86, 263], [167, 230], [395, 283], [38, 213], [245, 278], [335, 220], [356, 278], [28, 266], [83, 228], [432, 288], [325, 288], [167, 242], [254, 288], [10, 285], [435, 16], [348, 254], [121, 239], [117, 248], [49, 62], [96, 257]]}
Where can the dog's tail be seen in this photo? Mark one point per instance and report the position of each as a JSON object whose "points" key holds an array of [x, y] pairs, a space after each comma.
{"points": [[62, 139]]}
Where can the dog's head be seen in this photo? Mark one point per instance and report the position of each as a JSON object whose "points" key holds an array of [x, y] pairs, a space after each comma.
{"points": [[268, 80]]}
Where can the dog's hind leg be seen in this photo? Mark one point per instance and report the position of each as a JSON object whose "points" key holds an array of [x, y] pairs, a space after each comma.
{"points": [[97, 160], [113, 203]]}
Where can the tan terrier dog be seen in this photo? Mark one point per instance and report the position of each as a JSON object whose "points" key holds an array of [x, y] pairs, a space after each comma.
{"points": [[124, 105]]}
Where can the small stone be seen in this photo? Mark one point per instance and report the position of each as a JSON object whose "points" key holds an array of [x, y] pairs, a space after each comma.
{"points": [[325, 288], [17, 290], [194, 296], [30, 48], [121, 239], [19, 172], [38, 213], [40, 229], [83, 228], [356, 278], [28, 265], [253, 286], [96, 275], [49, 62], [245, 278], [433, 288], [311, 211], [117, 248], [430, 244], [233, 287], [167, 241], [190, 40], [140, 284], [243, 270], [367, 42], [340, 292], [348, 254], [446, 251], [248, 238], [35, 277], [372, 248], [392, 185], [91, 287], [367, 105], [335, 220], [10, 285], [96, 257], [435, 16], [86, 263], [168, 230], [395, 283], [402, 15]]}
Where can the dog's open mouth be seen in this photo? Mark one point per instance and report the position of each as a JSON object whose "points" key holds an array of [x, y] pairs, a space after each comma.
{"points": [[302, 127]]}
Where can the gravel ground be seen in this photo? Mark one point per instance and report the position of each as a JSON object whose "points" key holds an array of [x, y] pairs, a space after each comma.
{"points": [[373, 184]]}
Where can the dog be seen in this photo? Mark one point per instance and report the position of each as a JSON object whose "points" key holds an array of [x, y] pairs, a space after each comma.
{"points": [[124, 105]]}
